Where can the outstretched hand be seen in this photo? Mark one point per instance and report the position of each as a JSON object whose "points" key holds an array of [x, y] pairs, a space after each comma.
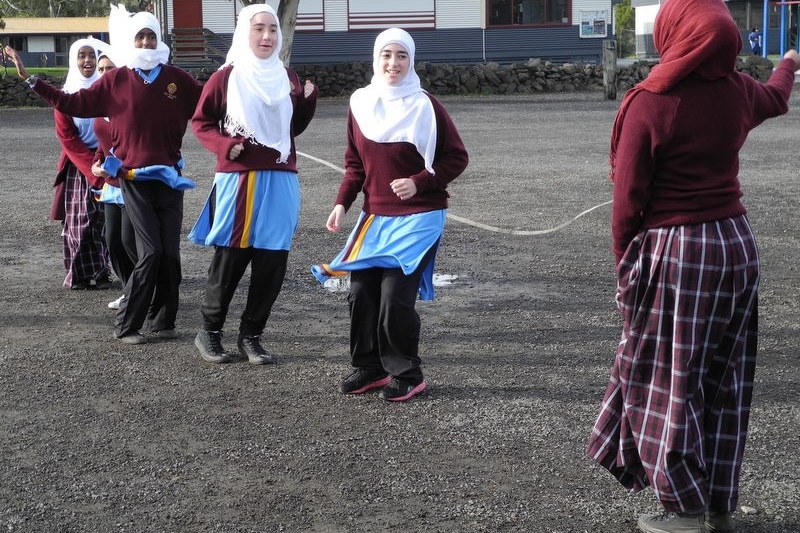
{"points": [[794, 56], [14, 57]]}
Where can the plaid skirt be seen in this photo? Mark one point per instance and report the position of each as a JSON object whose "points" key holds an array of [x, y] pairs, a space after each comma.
{"points": [[85, 252], [676, 410]]}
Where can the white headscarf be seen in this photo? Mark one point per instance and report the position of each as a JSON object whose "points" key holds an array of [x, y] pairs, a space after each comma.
{"points": [[143, 58], [118, 20], [396, 113], [75, 80], [258, 103]]}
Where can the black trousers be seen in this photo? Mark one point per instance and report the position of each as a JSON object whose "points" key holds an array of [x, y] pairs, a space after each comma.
{"points": [[267, 271], [384, 325], [120, 240], [156, 213]]}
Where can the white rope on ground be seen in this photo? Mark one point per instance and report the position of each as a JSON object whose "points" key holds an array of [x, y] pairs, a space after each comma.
{"points": [[321, 161], [479, 224], [524, 231]]}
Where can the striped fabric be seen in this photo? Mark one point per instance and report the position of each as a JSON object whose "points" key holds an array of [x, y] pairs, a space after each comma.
{"points": [[167, 174], [240, 236], [353, 247], [389, 242], [259, 208], [676, 410], [85, 253]]}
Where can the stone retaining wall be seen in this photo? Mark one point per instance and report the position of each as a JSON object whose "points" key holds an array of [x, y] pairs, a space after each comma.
{"points": [[442, 79]]}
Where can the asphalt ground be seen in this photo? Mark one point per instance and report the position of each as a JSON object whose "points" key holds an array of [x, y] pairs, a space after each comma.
{"points": [[100, 437]]}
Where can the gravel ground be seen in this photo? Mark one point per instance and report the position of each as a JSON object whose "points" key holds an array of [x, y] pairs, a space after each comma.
{"points": [[101, 437]]}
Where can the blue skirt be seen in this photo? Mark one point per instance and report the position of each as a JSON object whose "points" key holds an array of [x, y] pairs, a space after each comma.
{"points": [[258, 209], [389, 242]]}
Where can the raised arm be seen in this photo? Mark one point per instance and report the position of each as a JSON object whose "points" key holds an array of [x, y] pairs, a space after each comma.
{"points": [[14, 57]]}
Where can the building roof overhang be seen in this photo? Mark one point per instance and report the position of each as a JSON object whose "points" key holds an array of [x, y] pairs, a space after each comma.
{"points": [[55, 26]]}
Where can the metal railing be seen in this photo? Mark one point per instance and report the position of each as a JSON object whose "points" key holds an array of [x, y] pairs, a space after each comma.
{"points": [[197, 48]]}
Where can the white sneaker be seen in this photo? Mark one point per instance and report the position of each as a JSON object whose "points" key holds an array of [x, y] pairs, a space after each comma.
{"points": [[672, 523], [115, 303]]}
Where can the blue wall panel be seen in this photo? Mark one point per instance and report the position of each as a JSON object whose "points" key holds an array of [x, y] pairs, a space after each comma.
{"points": [[470, 45]]}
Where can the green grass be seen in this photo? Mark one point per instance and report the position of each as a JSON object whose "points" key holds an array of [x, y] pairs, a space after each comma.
{"points": [[53, 72], [50, 71]]}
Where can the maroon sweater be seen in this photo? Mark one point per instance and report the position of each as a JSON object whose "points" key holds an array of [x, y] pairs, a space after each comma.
{"points": [[102, 130], [209, 117], [678, 153], [372, 166], [73, 150], [148, 121]]}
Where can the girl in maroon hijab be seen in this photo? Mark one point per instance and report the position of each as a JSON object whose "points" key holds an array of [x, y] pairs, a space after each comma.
{"points": [[676, 410]]}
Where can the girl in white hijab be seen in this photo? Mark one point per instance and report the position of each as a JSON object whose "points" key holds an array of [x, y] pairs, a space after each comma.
{"points": [[248, 115], [86, 256], [402, 151]]}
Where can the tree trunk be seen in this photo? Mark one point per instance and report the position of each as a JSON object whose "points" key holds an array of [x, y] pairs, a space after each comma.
{"points": [[287, 18]]}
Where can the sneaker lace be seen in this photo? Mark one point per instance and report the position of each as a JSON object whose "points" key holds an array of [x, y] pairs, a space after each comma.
{"points": [[252, 344], [215, 341]]}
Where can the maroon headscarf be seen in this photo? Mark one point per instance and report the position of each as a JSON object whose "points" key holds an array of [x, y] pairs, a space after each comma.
{"points": [[697, 37]]}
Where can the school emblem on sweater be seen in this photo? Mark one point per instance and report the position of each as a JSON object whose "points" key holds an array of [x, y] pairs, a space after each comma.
{"points": [[172, 89]]}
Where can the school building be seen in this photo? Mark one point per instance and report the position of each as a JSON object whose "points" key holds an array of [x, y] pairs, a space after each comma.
{"points": [[45, 41]]}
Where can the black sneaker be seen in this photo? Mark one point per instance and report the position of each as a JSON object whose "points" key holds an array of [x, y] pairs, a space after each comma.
{"points": [[166, 334], [250, 347], [361, 381], [398, 390], [672, 523], [132, 338], [717, 522], [209, 343], [101, 284]]}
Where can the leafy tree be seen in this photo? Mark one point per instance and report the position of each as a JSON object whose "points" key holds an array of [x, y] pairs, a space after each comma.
{"points": [[626, 34], [54, 8]]}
